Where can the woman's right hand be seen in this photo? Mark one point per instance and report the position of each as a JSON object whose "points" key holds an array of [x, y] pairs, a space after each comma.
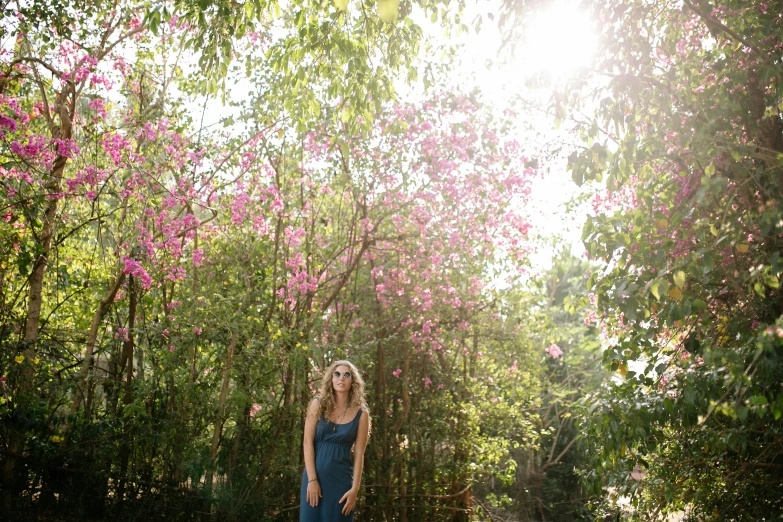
{"points": [[313, 493]]}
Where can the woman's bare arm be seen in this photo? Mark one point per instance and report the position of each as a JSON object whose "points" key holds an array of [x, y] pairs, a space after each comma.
{"points": [[358, 450], [313, 412]]}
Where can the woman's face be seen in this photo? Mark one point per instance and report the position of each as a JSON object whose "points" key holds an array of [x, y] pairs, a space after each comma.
{"points": [[341, 382]]}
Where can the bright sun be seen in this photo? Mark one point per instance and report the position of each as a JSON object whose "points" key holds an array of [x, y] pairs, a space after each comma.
{"points": [[558, 40]]}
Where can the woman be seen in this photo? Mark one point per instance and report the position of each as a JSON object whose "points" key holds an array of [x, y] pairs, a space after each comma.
{"points": [[336, 420]]}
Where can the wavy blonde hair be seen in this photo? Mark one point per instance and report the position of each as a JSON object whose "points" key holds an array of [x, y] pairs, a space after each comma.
{"points": [[356, 395]]}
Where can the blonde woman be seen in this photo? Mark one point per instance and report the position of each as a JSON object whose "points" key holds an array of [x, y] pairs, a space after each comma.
{"points": [[336, 420]]}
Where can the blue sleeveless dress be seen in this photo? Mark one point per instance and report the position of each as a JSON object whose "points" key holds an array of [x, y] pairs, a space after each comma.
{"points": [[334, 468]]}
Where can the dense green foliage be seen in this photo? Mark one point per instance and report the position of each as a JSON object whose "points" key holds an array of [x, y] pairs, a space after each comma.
{"points": [[687, 140], [325, 53]]}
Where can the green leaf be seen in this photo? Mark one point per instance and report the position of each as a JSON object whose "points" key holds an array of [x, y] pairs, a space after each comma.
{"points": [[679, 279], [346, 114], [388, 10], [699, 304], [655, 289], [342, 5]]}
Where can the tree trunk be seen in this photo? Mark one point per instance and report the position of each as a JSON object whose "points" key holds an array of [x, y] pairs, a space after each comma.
{"points": [[13, 478], [462, 450], [381, 443], [236, 466], [394, 435], [92, 337], [127, 363], [280, 420], [220, 417], [175, 454]]}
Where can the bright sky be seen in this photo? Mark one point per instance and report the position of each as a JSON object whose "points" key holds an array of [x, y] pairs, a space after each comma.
{"points": [[557, 43]]}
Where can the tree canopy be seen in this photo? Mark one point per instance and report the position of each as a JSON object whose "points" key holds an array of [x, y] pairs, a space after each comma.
{"points": [[174, 277], [687, 140]]}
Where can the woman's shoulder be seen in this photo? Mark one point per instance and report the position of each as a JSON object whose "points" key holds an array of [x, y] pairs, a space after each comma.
{"points": [[314, 406]]}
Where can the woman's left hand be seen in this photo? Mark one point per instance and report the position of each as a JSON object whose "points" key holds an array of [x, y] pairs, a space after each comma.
{"points": [[350, 501]]}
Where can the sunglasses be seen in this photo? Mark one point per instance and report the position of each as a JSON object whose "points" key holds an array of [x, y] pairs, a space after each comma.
{"points": [[337, 375]]}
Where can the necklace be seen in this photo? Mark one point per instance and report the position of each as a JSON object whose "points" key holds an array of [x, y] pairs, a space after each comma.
{"points": [[334, 428]]}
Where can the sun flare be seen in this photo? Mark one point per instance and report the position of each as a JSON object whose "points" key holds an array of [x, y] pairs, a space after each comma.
{"points": [[558, 40]]}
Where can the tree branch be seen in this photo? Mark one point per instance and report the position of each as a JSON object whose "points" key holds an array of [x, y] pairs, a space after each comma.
{"points": [[735, 36], [562, 454]]}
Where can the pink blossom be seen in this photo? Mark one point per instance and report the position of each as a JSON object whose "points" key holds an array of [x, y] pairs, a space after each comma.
{"points": [[97, 104], [397, 372], [554, 350], [66, 148], [255, 408], [121, 332], [134, 268], [197, 330], [7, 123], [35, 144]]}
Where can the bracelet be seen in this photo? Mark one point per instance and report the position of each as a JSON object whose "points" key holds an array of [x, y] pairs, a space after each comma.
{"points": [[314, 480]]}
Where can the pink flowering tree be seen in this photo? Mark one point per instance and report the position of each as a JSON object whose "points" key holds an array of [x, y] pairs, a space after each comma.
{"points": [[45, 87], [442, 197]]}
